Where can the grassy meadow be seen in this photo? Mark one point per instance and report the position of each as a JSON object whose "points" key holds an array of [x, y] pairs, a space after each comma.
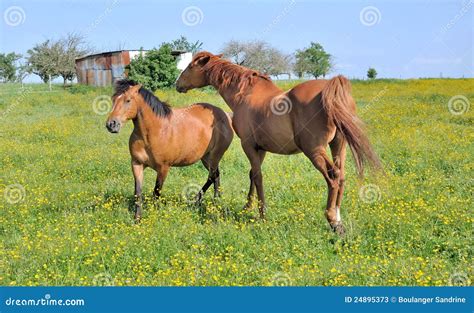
{"points": [[66, 193]]}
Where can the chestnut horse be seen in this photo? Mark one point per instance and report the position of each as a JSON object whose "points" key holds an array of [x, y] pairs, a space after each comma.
{"points": [[307, 119], [163, 137]]}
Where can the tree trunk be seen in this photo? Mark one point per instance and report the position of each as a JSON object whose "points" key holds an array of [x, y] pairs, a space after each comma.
{"points": [[49, 81]]}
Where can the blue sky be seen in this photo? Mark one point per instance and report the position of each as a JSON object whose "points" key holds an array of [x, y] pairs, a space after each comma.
{"points": [[401, 39]]}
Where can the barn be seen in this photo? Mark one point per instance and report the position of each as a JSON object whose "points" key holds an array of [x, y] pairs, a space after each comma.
{"points": [[102, 69]]}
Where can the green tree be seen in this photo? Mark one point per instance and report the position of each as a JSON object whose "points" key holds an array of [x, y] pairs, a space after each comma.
{"points": [[371, 73], [182, 44], [8, 69], [155, 69], [43, 60], [313, 61]]}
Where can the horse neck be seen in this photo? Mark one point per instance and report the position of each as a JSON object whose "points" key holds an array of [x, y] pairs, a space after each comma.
{"points": [[229, 95], [147, 121], [232, 93]]}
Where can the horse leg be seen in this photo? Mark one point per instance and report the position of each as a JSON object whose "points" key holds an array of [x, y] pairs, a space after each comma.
{"points": [[137, 170], [217, 183], [256, 157], [251, 192], [211, 163], [321, 161], [338, 151], [162, 172], [210, 178]]}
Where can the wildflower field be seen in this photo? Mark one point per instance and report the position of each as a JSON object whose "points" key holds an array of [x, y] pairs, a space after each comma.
{"points": [[66, 195]]}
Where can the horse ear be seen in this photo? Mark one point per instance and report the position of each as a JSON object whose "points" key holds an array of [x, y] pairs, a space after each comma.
{"points": [[219, 55], [136, 88], [202, 60]]}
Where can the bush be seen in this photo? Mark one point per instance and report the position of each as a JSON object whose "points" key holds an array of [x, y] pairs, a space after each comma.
{"points": [[156, 69]]}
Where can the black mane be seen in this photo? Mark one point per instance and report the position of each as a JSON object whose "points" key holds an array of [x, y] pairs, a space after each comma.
{"points": [[160, 108]]}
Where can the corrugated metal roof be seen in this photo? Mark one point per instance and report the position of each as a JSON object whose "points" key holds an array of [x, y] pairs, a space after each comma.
{"points": [[98, 54], [102, 69]]}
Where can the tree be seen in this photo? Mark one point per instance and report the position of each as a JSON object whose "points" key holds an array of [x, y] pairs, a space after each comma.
{"points": [[258, 55], [313, 61], [155, 69], [8, 70], [182, 44], [371, 73], [280, 63], [43, 59], [301, 66], [71, 47], [22, 71], [235, 51], [53, 58]]}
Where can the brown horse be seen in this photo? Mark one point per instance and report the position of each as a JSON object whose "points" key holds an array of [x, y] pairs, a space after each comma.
{"points": [[307, 119], [163, 137]]}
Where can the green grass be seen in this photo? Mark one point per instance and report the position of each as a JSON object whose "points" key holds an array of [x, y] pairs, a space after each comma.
{"points": [[73, 224]]}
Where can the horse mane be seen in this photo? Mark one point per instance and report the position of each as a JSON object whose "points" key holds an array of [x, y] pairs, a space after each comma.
{"points": [[223, 73], [159, 107]]}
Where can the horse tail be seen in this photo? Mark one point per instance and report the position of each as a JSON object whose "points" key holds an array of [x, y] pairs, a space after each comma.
{"points": [[340, 107]]}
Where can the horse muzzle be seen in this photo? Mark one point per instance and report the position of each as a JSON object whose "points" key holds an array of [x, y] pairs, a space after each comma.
{"points": [[113, 126], [181, 89]]}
